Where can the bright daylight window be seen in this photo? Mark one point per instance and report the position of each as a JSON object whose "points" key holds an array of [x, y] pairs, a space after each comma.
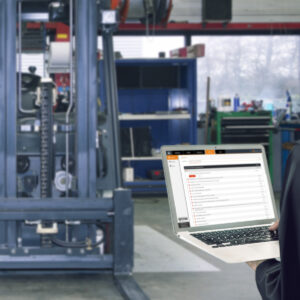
{"points": [[255, 67]]}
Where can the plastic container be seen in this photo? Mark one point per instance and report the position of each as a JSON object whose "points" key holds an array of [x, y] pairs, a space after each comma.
{"points": [[236, 102], [288, 114]]}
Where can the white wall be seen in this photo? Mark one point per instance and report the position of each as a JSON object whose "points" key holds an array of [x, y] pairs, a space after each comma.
{"points": [[144, 46], [265, 11], [34, 59]]}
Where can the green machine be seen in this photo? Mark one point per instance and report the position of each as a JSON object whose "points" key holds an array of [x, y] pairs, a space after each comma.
{"points": [[246, 128]]}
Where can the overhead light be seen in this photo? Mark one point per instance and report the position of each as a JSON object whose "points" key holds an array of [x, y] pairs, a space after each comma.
{"points": [[55, 4], [109, 17]]}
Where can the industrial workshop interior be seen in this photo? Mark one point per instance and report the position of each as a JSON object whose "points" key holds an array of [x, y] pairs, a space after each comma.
{"points": [[145, 146]]}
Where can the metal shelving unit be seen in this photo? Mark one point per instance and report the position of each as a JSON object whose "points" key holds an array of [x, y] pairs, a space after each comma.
{"points": [[247, 128], [142, 117], [159, 94]]}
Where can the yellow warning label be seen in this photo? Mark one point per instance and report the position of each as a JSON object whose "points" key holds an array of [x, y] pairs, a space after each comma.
{"points": [[62, 36]]}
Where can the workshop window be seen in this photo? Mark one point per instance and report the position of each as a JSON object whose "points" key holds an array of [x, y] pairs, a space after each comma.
{"points": [[255, 67]]}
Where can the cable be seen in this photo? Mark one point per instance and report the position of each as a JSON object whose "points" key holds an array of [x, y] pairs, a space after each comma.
{"points": [[82, 244]]}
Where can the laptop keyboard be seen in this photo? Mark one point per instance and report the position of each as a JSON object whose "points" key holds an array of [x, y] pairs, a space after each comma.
{"points": [[236, 237]]}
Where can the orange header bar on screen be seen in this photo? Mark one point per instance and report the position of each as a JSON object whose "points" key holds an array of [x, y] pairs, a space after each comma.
{"points": [[210, 152], [172, 157]]}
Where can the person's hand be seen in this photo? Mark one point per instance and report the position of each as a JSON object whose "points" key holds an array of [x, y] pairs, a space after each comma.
{"points": [[275, 226], [254, 264]]}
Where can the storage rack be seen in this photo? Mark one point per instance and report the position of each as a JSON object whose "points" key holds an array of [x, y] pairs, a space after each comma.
{"points": [[159, 94], [246, 128]]}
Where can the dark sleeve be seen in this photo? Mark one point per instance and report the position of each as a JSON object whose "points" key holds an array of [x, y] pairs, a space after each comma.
{"points": [[268, 280]]}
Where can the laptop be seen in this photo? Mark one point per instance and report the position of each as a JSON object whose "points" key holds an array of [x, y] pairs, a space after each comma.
{"points": [[221, 200]]}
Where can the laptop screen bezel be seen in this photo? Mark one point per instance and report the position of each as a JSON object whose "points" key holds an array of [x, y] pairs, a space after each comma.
{"points": [[249, 147]]}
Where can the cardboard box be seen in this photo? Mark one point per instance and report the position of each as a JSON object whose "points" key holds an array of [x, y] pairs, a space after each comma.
{"points": [[194, 51]]}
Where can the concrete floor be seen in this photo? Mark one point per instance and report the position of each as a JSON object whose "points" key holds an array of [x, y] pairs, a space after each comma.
{"points": [[231, 282]]}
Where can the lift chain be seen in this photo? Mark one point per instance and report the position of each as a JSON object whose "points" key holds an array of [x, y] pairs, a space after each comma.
{"points": [[46, 142]]}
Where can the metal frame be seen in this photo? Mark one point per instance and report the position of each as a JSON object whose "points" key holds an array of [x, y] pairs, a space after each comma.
{"points": [[190, 29], [117, 210], [8, 109], [123, 238], [82, 109], [112, 99]]}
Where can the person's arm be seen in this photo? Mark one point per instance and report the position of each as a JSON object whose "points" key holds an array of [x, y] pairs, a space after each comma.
{"points": [[268, 279], [267, 273], [254, 264]]}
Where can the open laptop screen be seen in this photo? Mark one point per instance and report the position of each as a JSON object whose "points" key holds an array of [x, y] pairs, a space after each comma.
{"points": [[212, 187]]}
